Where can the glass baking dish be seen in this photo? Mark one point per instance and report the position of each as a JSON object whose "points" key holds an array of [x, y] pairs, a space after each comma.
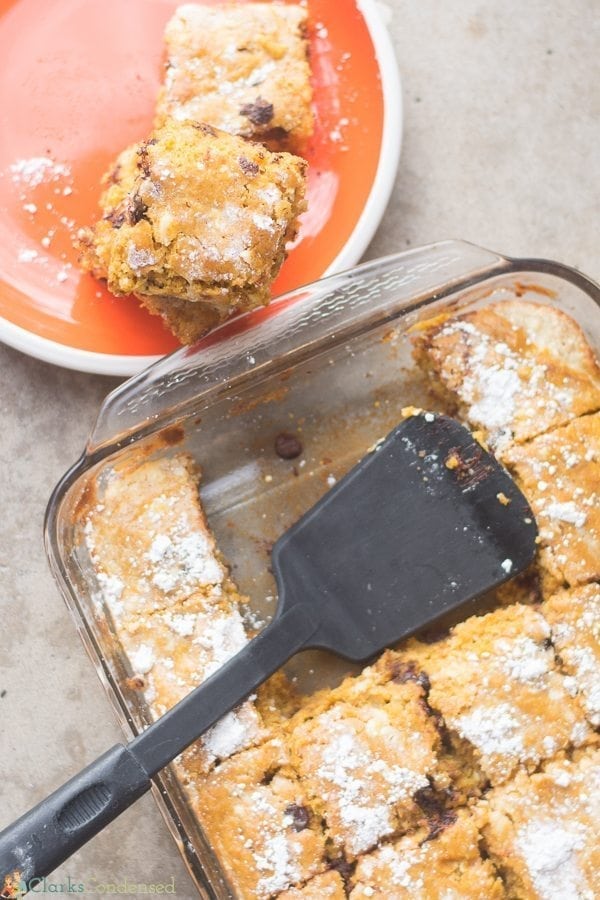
{"points": [[330, 362]]}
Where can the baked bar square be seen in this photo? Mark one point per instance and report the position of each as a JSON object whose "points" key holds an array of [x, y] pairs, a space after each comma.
{"points": [[149, 541], [364, 752], [198, 217], [495, 682], [173, 651], [574, 617], [512, 369], [242, 68], [542, 830], [559, 473], [328, 886], [450, 865], [255, 814]]}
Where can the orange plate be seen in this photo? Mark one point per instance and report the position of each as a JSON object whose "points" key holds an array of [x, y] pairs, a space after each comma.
{"points": [[78, 83]]}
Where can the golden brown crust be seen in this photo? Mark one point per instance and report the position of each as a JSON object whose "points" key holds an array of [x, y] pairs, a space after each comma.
{"points": [[175, 610], [541, 830], [450, 865], [328, 886], [513, 369], [195, 223], [559, 473], [149, 540], [574, 617], [242, 68], [255, 812], [491, 680], [355, 750]]}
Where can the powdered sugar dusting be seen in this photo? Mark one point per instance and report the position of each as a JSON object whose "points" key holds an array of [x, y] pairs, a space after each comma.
{"points": [[503, 389], [143, 659], [276, 860], [37, 169], [566, 512], [576, 633], [549, 849], [179, 559], [496, 729], [235, 731], [365, 786], [138, 258], [223, 637], [524, 660]]}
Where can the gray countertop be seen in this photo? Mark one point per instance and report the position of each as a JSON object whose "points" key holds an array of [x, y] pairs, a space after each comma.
{"points": [[501, 138]]}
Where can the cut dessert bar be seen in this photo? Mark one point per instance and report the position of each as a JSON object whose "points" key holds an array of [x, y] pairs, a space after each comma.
{"points": [[150, 544], [198, 217], [242, 68], [542, 831], [513, 369], [176, 612], [171, 652], [559, 473], [328, 886], [574, 617], [255, 813], [364, 752], [495, 682], [449, 866]]}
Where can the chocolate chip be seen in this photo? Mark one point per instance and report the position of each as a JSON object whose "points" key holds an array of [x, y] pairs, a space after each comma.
{"points": [[137, 209], [277, 134], [300, 816], [403, 672], [115, 218], [115, 175], [142, 152], [344, 867], [433, 803], [288, 446], [2, 693], [260, 112], [204, 128], [247, 166]]}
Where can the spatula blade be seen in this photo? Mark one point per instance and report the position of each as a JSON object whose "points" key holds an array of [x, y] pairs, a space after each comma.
{"points": [[423, 524]]}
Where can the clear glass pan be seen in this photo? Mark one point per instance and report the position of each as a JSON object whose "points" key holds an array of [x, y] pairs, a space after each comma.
{"points": [[332, 362]]}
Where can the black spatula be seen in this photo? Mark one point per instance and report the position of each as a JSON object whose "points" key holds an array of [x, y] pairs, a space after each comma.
{"points": [[423, 524]]}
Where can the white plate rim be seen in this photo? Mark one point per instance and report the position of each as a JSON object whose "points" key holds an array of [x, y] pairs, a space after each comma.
{"points": [[92, 362]]}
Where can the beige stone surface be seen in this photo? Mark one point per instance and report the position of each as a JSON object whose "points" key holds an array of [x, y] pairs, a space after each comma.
{"points": [[501, 135]]}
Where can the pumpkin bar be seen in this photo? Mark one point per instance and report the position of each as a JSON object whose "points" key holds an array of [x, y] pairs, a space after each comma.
{"points": [[512, 369], [171, 652], [542, 830], [364, 752], [559, 473], [198, 217], [242, 68], [328, 886], [256, 816], [495, 682], [574, 617], [150, 544], [450, 865], [176, 612]]}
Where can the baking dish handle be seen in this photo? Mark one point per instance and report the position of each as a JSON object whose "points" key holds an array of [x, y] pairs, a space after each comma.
{"points": [[296, 324]]}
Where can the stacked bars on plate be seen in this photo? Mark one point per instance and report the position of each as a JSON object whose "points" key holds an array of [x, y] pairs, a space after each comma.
{"points": [[196, 218], [463, 767]]}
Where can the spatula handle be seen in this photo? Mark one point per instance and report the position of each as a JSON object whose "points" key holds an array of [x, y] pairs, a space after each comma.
{"points": [[48, 834]]}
